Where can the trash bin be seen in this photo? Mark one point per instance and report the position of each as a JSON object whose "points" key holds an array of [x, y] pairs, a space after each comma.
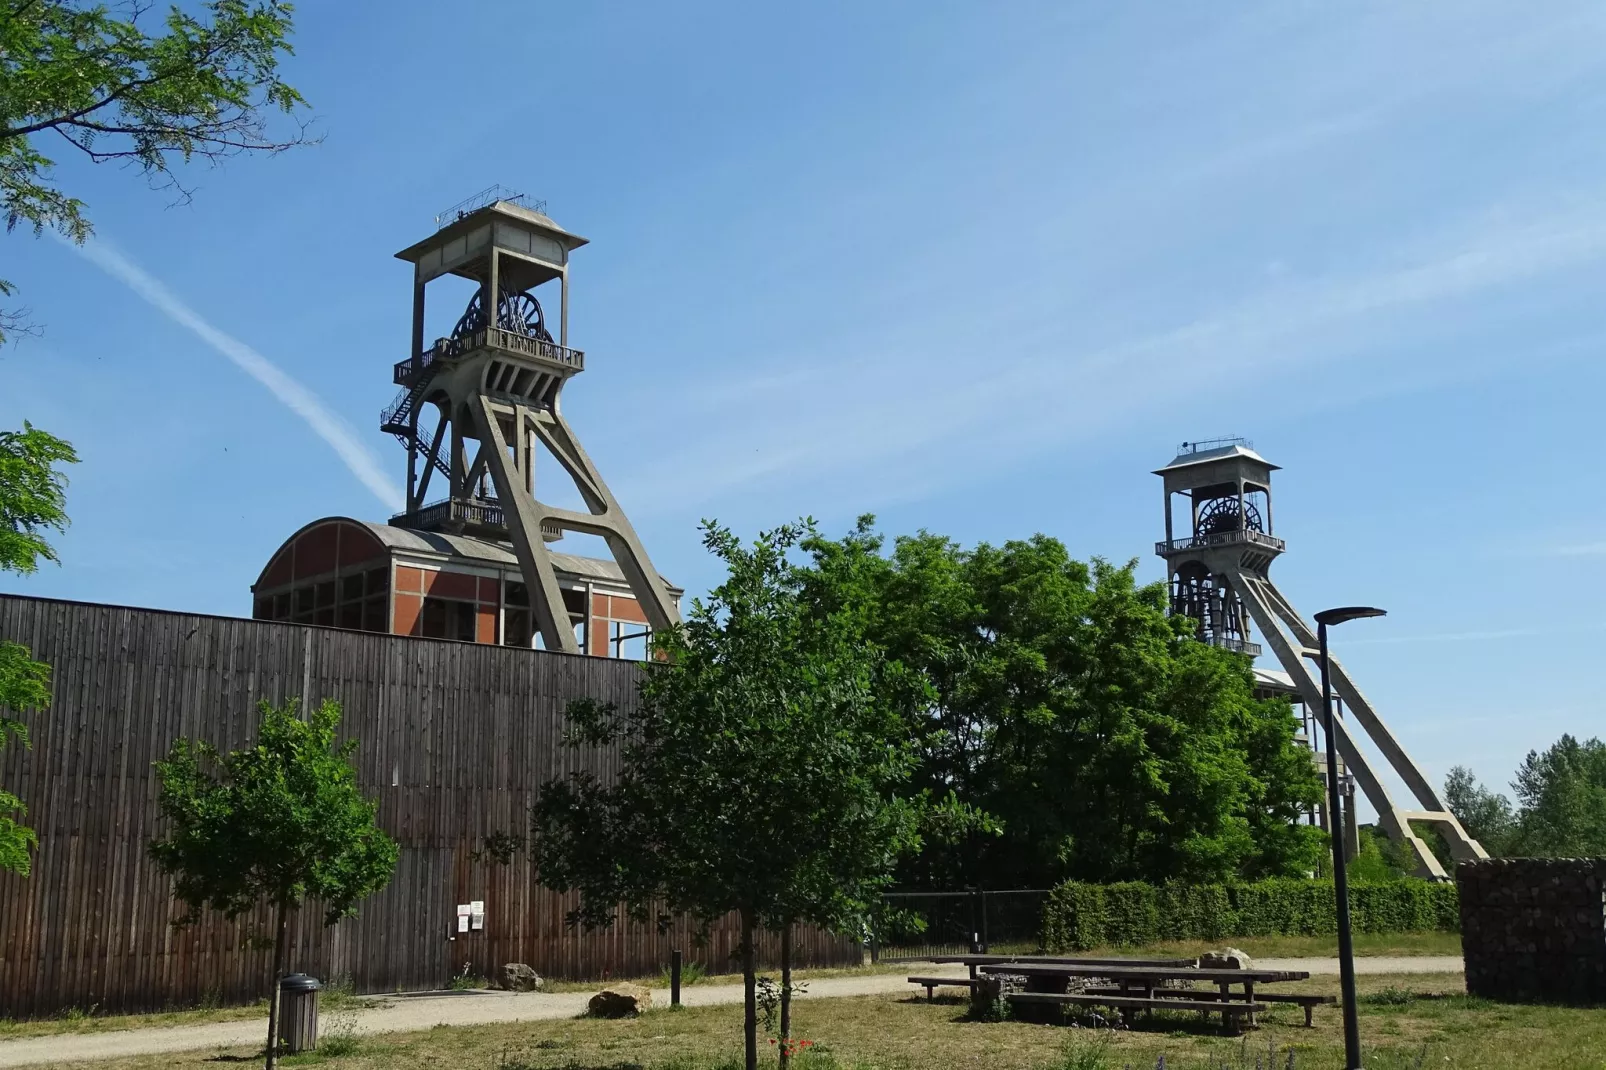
{"points": [[298, 1012]]}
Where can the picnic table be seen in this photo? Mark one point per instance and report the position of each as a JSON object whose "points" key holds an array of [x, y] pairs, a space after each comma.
{"points": [[1146, 986], [976, 961]]}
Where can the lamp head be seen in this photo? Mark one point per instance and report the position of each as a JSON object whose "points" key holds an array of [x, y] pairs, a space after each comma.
{"points": [[1343, 613]]}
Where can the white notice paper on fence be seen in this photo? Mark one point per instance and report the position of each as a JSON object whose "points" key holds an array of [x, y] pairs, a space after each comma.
{"points": [[464, 910], [462, 923]]}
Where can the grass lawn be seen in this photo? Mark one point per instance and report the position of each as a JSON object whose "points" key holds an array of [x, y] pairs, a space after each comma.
{"points": [[1406, 1021], [78, 1021]]}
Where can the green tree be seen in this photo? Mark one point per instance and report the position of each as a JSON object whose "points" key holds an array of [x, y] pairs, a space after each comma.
{"points": [[33, 501], [1561, 795], [78, 75], [24, 686], [1485, 814], [1379, 858], [272, 825], [1062, 700], [759, 772]]}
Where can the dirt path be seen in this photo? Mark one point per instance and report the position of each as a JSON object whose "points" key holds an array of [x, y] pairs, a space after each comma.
{"points": [[410, 1013]]}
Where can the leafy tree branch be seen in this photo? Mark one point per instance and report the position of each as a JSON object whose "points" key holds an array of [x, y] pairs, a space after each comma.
{"points": [[204, 85], [33, 500]]}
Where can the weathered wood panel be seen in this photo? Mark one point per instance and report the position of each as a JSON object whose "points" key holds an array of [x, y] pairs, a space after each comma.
{"points": [[455, 740]]}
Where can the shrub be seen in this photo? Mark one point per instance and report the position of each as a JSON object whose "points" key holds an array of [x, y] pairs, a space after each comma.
{"points": [[1080, 916]]}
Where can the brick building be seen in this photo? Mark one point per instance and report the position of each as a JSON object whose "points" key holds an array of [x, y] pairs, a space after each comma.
{"points": [[346, 573]]}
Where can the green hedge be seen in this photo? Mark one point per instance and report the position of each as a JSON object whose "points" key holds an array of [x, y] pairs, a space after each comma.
{"points": [[1081, 916]]}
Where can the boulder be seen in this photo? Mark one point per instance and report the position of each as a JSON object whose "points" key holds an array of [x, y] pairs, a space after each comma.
{"points": [[1228, 958], [517, 977], [619, 1001]]}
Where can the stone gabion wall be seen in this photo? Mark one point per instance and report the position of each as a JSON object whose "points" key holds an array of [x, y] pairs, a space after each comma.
{"points": [[1534, 928]]}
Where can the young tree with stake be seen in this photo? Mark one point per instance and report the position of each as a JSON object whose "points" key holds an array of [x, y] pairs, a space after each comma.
{"points": [[759, 773], [272, 825]]}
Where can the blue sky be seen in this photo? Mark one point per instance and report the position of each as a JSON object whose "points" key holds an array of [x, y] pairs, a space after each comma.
{"points": [[973, 268]]}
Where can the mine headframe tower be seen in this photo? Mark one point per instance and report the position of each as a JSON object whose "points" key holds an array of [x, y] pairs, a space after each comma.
{"points": [[1218, 577], [494, 387]]}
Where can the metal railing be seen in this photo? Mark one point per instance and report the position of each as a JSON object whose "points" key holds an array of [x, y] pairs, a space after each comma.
{"points": [[480, 512], [919, 925], [1220, 538], [1209, 444], [526, 346], [404, 372], [487, 196], [1241, 646], [459, 511], [398, 411]]}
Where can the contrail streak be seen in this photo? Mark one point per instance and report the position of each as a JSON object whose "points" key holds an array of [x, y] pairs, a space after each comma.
{"points": [[296, 397]]}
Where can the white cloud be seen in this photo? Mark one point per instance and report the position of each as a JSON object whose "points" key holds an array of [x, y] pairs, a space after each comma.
{"points": [[1587, 549], [898, 414], [294, 395]]}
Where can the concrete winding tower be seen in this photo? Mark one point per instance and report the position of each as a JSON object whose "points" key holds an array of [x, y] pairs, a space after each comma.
{"points": [[492, 391], [1218, 572]]}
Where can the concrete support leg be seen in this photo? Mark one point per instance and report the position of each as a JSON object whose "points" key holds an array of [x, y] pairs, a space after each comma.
{"points": [[522, 515], [1273, 614]]}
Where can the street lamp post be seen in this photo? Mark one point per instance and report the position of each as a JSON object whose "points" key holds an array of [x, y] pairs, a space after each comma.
{"points": [[1335, 827]]}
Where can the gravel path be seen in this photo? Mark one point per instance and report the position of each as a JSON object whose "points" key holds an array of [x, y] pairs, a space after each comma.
{"points": [[409, 1013]]}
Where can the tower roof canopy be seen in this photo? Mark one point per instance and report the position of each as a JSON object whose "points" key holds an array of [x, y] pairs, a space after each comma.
{"points": [[1214, 468], [1193, 453], [537, 247]]}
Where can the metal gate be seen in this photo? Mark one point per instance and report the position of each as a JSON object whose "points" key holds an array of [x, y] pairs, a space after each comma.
{"points": [[920, 925]]}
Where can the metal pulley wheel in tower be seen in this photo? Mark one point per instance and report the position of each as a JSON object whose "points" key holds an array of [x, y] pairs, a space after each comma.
{"points": [[517, 312], [521, 313], [1221, 514]]}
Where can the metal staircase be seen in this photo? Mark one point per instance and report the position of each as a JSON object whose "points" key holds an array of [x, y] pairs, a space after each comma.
{"points": [[397, 419]]}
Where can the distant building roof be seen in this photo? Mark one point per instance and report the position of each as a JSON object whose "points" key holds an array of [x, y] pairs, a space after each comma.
{"points": [[468, 548], [498, 553], [1275, 680]]}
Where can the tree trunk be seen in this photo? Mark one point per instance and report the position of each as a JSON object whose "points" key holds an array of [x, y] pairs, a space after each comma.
{"points": [[786, 995], [273, 994], [749, 993]]}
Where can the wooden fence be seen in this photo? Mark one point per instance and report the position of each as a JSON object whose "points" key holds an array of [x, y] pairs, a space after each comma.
{"points": [[455, 740]]}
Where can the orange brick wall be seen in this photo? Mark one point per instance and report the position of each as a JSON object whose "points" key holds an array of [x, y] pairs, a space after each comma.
{"points": [[606, 609], [405, 611], [413, 584]]}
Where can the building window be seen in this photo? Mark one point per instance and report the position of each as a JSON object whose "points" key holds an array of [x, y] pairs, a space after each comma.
{"points": [[446, 618], [359, 601], [628, 640], [515, 627]]}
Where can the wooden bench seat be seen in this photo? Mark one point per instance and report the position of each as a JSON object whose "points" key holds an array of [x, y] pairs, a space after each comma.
{"points": [[1308, 1002], [1084, 999], [931, 984]]}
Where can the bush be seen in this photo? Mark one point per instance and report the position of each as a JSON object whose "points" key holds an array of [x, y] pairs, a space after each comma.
{"points": [[1080, 916]]}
